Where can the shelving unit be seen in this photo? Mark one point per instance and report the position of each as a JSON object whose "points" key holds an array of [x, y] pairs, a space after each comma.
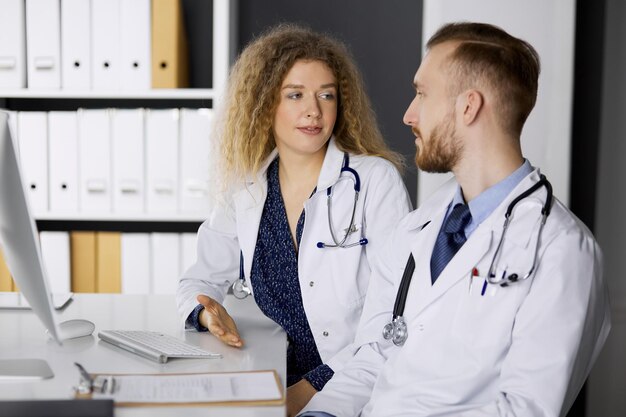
{"points": [[160, 239], [157, 94], [222, 54]]}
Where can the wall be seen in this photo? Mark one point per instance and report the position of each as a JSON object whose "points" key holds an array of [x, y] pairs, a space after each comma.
{"points": [[383, 36], [608, 379]]}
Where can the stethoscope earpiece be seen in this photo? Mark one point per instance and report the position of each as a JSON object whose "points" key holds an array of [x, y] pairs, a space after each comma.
{"points": [[545, 212]]}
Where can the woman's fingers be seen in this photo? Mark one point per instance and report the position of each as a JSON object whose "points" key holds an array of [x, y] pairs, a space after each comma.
{"points": [[219, 322]]}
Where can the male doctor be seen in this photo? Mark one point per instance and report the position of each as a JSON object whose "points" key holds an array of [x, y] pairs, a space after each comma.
{"points": [[475, 347]]}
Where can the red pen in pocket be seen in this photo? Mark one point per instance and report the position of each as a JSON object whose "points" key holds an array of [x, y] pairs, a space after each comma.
{"points": [[471, 280]]}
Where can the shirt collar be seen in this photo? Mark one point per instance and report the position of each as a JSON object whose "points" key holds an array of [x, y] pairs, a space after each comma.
{"points": [[486, 202]]}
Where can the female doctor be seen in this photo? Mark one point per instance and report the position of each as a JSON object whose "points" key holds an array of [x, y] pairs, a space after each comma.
{"points": [[309, 192]]}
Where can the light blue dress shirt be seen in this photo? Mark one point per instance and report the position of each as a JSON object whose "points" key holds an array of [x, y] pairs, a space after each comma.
{"points": [[486, 202]]}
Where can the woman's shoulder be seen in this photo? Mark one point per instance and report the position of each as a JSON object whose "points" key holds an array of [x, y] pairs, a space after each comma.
{"points": [[373, 166]]}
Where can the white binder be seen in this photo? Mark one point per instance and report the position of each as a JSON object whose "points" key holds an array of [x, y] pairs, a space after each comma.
{"points": [[43, 40], [33, 145], [136, 263], [136, 73], [12, 45], [75, 44], [165, 262], [13, 127], [105, 26], [94, 161], [55, 252], [195, 128], [127, 135], [63, 161], [162, 160], [188, 250]]}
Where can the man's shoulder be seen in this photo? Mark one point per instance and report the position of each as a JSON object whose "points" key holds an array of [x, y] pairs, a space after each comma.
{"points": [[437, 201], [563, 223]]}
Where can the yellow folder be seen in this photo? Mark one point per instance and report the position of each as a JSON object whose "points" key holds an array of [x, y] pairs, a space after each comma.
{"points": [[169, 45], [83, 261], [6, 282], [108, 262]]}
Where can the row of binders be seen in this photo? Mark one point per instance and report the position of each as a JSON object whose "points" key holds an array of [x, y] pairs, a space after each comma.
{"points": [[120, 162], [112, 262], [92, 44]]}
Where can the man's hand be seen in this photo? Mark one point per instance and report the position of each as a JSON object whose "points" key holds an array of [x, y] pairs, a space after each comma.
{"points": [[215, 318], [298, 395]]}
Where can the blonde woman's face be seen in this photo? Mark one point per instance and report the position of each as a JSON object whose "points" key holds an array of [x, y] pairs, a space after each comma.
{"points": [[307, 110]]}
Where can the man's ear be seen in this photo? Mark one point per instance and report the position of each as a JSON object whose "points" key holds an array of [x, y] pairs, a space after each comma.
{"points": [[472, 104]]}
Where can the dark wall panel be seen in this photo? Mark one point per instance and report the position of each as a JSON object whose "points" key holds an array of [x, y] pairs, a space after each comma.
{"points": [[384, 38]]}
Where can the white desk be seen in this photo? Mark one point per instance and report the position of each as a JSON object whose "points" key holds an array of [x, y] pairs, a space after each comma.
{"points": [[22, 336]]}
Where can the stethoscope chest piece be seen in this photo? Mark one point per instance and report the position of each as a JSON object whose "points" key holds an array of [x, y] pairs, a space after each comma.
{"points": [[396, 331], [241, 289]]}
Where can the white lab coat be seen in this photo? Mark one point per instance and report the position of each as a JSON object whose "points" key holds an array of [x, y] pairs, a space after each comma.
{"points": [[333, 281], [523, 350]]}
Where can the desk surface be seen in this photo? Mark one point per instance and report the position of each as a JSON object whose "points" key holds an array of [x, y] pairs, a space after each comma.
{"points": [[22, 336]]}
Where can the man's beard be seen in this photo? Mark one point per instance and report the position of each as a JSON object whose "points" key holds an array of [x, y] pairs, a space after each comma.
{"points": [[441, 152]]}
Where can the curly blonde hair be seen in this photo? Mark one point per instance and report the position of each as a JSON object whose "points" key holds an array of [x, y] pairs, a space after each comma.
{"points": [[253, 94]]}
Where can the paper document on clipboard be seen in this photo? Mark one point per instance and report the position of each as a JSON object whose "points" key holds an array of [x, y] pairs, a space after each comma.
{"points": [[228, 388]]}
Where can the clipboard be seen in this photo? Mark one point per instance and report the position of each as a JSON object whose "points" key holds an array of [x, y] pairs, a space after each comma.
{"points": [[110, 384]]}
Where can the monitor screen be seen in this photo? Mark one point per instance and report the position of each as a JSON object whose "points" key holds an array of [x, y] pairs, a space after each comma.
{"points": [[18, 234]]}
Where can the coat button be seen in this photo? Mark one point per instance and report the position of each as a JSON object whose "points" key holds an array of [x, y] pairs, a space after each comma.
{"points": [[311, 284], [325, 333]]}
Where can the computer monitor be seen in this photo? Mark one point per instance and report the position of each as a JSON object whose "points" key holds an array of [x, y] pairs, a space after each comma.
{"points": [[18, 238], [18, 235]]}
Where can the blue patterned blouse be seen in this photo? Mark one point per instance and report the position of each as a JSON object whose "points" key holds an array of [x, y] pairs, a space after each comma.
{"points": [[274, 277]]}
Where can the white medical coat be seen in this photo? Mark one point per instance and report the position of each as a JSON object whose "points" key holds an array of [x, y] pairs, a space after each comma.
{"points": [[523, 350], [333, 281]]}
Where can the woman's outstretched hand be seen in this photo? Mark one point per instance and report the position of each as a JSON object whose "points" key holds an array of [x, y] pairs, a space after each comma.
{"points": [[215, 318]]}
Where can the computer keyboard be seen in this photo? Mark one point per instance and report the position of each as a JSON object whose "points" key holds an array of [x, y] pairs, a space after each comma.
{"points": [[154, 345]]}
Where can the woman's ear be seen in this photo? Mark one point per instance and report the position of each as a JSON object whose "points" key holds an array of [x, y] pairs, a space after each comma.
{"points": [[472, 103]]}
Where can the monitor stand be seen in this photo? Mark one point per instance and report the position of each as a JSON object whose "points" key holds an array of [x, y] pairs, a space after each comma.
{"points": [[25, 369]]}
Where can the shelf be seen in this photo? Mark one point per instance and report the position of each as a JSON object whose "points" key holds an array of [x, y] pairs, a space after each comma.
{"points": [[174, 93], [119, 217]]}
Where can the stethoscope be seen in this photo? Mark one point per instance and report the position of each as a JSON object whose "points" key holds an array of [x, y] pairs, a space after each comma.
{"points": [[240, 287], [345, 167], [396, 330]]}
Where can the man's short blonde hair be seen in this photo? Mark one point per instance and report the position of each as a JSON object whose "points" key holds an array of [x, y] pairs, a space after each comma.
{"points": [[488, 56]]}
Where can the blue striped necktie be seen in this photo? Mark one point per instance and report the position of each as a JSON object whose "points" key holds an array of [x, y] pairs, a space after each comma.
{"points": [[450, 239]]}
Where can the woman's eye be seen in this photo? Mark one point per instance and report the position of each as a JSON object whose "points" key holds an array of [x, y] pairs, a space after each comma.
{"points": [[327, 96], [294, 96]]}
